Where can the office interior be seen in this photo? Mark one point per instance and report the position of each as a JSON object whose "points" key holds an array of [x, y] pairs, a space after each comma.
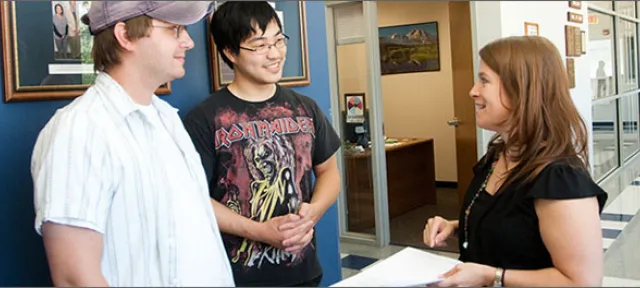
{"points": [[424, 107], [420, 148], [408, 132]]}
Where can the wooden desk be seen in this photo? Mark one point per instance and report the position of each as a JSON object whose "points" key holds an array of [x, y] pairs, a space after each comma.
{"points": [[411, 181]]}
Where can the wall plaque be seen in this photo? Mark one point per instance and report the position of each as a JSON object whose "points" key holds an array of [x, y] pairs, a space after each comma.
{"points": [[571, 72], [575, 4], [575, 17]]}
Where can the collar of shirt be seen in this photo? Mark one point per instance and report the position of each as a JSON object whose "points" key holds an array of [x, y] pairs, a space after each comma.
{"points": [[121, 100]]}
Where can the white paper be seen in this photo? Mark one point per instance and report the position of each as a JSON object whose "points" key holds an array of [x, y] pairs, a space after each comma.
{"points": [[409, 267]]}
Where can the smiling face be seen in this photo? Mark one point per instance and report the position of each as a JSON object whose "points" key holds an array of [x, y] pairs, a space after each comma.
{"points": [[258, 68], [491, 101], [162, 52]]}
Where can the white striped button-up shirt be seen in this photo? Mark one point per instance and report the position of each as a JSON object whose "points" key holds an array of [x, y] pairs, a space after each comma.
{"points": [[95, 165]]}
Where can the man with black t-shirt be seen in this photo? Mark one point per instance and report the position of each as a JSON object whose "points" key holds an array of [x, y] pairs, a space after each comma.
{"points": [[261, 144]]}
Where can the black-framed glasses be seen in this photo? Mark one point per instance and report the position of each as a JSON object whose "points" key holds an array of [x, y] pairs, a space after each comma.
{"points": [[176, 28], [264, 48]]}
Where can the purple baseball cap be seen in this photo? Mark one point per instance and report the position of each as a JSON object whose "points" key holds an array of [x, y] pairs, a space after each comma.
{"points": [[104, 14]]}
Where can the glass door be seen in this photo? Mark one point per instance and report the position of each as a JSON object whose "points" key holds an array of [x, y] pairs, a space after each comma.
{"points": [[357, 115]]}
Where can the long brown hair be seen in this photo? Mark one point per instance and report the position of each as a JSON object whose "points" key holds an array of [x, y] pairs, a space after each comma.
{"points": [[544, 124]]}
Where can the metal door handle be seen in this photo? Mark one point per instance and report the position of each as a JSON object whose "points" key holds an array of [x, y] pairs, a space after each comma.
{"points": [[454, 122]]}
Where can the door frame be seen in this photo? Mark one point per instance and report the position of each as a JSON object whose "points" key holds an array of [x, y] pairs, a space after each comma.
{"points": [[382, 234], [463, 68], [482, 136]]}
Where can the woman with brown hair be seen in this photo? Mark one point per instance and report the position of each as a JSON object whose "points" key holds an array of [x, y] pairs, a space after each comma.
{"points": [[60, 32], [531, 214]]}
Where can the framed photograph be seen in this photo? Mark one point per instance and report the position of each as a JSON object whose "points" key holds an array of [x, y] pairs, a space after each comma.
{"points": [[409, 48], [295, 72], [46, 50], [531, 29], [575, 4], [355, 108]]}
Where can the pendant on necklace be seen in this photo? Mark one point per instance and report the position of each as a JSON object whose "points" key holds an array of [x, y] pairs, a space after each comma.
{"points": [[465, 244]]}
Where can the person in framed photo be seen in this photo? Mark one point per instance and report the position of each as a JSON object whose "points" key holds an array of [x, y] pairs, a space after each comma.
{"points": [[60, 31], [120, 193], [261, 144], [73, 19]]}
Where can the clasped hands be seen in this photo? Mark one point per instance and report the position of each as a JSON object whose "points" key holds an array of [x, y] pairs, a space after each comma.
{"points": [[291, 232]]}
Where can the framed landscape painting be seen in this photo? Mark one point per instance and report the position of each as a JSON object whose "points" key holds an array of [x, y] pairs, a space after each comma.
{"points": [[409, 48]]}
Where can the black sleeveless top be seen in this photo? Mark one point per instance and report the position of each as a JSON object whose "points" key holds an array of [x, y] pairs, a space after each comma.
{"points": [[503, 228]]}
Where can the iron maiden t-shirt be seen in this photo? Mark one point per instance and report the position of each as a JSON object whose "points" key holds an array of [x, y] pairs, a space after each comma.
{"points": [[259, 159]]}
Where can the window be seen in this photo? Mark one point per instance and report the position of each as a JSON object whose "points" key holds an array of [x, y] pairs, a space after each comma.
{"points": [[605, 138], [627, 60], [629, 136], [601, 55], [613, 64], [627, 8], [602, 4]]}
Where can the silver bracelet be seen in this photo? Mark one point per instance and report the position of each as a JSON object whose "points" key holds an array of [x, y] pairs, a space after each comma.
{"points": [[497, 281]]}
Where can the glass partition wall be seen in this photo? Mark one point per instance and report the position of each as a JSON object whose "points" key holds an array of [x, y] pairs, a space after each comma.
{"points": [[613, 53]]}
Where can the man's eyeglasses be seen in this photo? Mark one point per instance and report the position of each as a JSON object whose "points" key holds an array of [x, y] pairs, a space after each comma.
{"points": [[264, 48], [176, 28]]}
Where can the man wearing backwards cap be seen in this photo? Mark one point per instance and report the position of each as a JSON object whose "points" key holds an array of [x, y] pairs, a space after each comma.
{"points": [[120, 193]]}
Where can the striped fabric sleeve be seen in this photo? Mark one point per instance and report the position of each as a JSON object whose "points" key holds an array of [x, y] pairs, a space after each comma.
{"points": [[72, 173]]}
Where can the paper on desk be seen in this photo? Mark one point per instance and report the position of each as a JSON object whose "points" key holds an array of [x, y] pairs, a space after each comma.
{"points": [[409, 267]]}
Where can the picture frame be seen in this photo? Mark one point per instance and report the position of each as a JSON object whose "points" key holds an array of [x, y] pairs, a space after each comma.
{"points": [[296, 68], [35, 69], [354, 105], [531, 29], [409, 48]]}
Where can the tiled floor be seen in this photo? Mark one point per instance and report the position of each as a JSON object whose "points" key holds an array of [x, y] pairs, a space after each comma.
{"points": [[620, 232]]}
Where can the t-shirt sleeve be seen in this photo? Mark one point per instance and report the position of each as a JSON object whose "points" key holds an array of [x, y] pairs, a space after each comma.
{"points": [[562, 181], [327, 141], [73, 174], [197, 125]]}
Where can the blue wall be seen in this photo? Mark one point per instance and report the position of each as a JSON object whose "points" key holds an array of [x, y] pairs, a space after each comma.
{"points": [[22, 257]]}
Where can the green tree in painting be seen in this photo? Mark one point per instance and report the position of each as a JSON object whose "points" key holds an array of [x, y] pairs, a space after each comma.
{"points": [[86, 43]]}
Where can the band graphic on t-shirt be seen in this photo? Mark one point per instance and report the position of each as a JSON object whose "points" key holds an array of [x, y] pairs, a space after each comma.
{"points": [[267, 166]]}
